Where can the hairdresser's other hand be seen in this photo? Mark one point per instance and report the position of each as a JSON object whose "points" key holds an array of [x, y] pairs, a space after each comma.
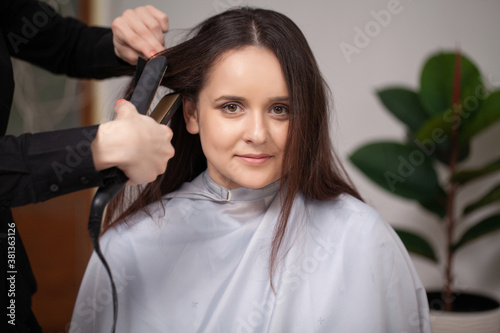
{"points": [[134, 143], [139, 33]]}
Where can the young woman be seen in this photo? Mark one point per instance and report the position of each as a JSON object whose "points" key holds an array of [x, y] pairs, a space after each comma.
{"points": [[254, 226]]}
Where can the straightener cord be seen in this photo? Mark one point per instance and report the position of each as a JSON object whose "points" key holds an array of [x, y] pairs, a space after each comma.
{"points": [[144, 92], [102, 197]]}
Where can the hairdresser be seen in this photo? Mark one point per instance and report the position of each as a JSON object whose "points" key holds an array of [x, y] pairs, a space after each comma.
{"points": [[34, 167]]}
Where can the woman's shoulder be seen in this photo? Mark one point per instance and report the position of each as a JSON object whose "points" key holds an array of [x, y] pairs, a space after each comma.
{"points": [[347, 216], [353, 229], [343, 208]]}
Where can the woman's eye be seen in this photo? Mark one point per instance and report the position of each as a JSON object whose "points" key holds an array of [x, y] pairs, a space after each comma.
{"points": [[231, 108], [280, 109]]}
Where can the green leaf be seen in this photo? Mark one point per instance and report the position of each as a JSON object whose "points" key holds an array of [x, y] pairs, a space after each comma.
{"points": [[485, 116], [401, 169], [416, 244], [437, 129], [468, 175], [405, 105], [434, 139], [490, 197], [436, 83], [485, 227], [437, 204]]}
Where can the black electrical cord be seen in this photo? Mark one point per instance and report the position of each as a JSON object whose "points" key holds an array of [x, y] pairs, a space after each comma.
{"points": [[148, 77], [103, 196]]}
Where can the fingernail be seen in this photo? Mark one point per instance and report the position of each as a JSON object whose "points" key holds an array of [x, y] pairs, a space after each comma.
{"points": [[118, 101], [152, 53]]}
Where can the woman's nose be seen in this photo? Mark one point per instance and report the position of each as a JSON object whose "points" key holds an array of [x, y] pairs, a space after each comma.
{"points": [[256, 128]]}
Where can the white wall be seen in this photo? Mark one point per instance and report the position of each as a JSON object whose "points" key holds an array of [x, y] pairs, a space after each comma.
{"points": [[394, 55]]}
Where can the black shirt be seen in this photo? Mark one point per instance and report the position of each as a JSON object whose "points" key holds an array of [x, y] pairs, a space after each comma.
{"points": [[37, 167]]}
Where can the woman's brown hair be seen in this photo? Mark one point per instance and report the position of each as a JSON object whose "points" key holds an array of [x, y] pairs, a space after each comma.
{"points": [[310, 165]]}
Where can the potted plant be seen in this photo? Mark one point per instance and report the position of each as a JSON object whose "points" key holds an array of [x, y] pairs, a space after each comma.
{"points": [[442, 118]]}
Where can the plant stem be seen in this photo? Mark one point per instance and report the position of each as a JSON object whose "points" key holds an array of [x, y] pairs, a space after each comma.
{"points": [[450, 223], [450, 205]]}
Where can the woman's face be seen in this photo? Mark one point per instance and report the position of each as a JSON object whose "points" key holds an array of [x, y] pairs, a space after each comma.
{"points": [[242, 118]]}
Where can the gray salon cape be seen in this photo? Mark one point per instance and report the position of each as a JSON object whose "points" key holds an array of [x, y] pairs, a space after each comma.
{"points": [[200, 263]]}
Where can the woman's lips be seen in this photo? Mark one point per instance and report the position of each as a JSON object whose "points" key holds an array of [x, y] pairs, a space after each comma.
{"points": [[254, 159]]}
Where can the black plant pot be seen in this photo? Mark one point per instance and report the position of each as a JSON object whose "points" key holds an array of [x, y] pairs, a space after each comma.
{"points": [[463, 302], [471, 313]]}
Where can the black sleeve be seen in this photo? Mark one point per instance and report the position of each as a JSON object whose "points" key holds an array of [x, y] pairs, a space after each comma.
{"points": [[37, 167], [34, 32]]}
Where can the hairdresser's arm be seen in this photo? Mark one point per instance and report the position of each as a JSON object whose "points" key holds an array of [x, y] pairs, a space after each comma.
{"points": [[37, 34], [38, 167]]}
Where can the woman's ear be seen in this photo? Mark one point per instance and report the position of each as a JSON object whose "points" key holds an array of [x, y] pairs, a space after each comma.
{"points": [[190, 115]]}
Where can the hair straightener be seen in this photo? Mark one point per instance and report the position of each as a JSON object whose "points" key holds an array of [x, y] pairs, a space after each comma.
{"points": [[148, 78]]}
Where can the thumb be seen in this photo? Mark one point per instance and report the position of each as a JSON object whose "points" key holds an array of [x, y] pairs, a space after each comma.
{"points": [[124, 109]]}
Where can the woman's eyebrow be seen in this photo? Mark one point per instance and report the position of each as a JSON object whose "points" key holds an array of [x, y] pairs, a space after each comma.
{"points": [[243, 99], [279, 99], [230, 98]]}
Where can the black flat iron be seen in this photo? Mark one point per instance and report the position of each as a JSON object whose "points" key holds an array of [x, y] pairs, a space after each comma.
{"points": [[148, 78]]}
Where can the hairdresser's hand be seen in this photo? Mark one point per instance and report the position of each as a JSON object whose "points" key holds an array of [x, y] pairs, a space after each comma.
{"points": [[134, 143], [139, 33]]}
